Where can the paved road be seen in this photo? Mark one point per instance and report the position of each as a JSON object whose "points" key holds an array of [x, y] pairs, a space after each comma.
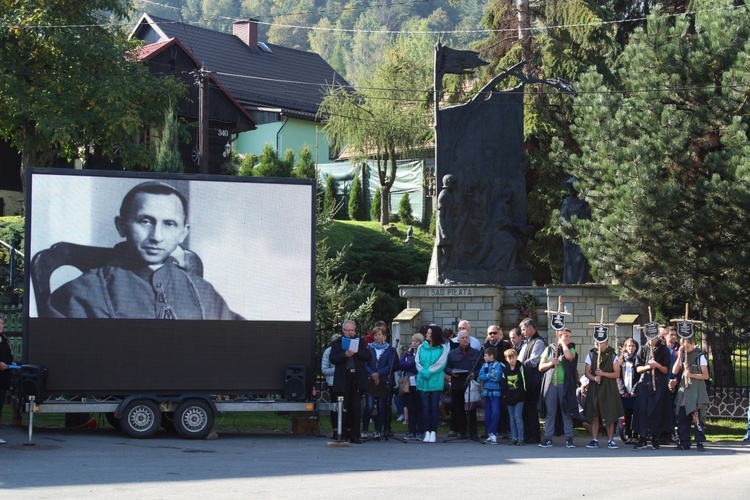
{"points": [[103, 463]]}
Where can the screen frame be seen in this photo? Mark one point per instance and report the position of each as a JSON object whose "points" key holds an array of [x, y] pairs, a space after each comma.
{"points": [[170, 357]]}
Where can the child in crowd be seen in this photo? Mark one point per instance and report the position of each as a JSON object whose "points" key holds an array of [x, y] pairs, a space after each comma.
{"points": [[491, 373], [603, 402], [513, 389], [407, 364], [626, 385], [692, 397], [653, 412]]}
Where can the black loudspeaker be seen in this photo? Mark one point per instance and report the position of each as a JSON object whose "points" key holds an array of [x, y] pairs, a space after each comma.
{"points": [[295, 382], [33, 382]]}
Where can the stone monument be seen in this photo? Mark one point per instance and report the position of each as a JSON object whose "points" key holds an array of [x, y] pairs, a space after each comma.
{"points": [[479, 156]]}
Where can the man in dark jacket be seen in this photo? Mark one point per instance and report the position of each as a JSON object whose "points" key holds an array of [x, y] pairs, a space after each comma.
{"points": [[350, 378], [530, 355]]}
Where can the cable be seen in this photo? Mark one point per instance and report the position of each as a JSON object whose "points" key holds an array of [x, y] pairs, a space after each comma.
{"points": [[397, 32]]}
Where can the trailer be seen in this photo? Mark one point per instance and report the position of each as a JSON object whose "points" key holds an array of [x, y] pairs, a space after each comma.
{"points": [[160, 300]]}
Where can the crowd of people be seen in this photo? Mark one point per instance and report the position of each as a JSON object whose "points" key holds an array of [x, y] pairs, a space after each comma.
{"points": [[439, 380]]}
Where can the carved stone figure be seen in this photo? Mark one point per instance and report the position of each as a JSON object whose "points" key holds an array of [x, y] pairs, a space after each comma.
{"points": [[576, 265], [446, 219], [504, 247]]}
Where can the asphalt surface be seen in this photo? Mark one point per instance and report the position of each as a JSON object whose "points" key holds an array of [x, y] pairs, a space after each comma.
{"points": [[103, 463]]}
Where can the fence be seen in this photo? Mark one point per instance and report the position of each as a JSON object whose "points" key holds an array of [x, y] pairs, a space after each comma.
{"points": [[728, 350]]}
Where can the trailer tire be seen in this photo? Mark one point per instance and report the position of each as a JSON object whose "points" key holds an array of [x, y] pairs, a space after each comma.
{"points": [[141, 419], [193, 419]]}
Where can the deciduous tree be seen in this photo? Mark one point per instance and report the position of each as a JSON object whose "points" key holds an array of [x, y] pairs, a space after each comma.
{"points": [[387, 120], [71, 80]]}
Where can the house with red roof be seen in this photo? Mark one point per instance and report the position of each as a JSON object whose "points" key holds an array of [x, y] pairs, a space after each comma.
{"points": [[281, 88]]}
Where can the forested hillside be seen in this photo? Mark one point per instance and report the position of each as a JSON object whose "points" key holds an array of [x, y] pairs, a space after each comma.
{"points": [[351, 35]]}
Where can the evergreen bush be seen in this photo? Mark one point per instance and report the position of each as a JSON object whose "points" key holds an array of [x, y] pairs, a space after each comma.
{"points": [[404, 210]]}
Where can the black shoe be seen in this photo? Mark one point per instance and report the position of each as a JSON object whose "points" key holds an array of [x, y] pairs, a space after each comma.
{"points": [[355, 440], [462, 436], [642, 445], [700, 447], [682, 447], [655, 444]]}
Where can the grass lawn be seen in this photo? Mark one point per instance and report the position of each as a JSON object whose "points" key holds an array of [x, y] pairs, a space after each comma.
{"points": [[717, 430]]}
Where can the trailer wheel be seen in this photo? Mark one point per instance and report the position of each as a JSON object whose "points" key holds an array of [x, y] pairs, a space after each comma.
{"points": [[193, 419], [141, 419]]}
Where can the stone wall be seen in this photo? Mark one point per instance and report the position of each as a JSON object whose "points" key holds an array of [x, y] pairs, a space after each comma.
{"points": [[728, 403], [485, 305]]}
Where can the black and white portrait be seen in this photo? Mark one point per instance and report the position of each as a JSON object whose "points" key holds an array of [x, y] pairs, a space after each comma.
{"points": [[159, 248]]}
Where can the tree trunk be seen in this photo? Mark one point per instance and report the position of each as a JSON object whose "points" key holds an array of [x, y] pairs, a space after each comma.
{"points": [[386, 184], [385, 204], [716, 337], [524, 31]]}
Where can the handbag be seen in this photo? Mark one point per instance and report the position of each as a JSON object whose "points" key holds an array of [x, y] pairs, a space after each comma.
{"points": [[472, 395], [403, 386], [380, 390]]}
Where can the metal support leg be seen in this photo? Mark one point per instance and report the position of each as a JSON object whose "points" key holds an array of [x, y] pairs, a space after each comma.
{"points": [[339, 412], [31, 409]]}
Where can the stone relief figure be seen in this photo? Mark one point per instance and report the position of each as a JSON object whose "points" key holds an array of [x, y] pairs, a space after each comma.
{"points": [[504, 249], [576, 265], [447, 217]]}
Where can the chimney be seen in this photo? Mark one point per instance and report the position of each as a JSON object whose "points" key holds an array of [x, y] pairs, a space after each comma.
{"points": [[247, 31]]}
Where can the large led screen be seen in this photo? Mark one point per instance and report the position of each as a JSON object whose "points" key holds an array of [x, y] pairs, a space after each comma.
{"points": [[165, 283]]}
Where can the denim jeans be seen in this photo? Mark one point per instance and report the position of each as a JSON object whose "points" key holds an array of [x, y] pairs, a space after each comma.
{"points": [[515, 412], [430, 410], [367, 415], [413, 402], [492, 413]]}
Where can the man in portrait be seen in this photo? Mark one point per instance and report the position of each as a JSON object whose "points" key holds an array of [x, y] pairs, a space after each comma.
{"points": [[146, 276]]}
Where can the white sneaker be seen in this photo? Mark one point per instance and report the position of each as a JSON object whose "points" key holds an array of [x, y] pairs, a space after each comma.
{"points": [[400, 418], [426, 437], [2, 441], [433, 437]]}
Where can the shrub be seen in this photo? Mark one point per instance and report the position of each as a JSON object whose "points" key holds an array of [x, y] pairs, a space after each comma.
{"points": [[404, 210], [356, 204], [375, 209]]}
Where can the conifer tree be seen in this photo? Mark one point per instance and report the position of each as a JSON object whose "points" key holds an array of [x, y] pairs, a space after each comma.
{"points": [[405, 214], [356, 202], [305, 168], [330, 200], [665, 167], [375, 208]]}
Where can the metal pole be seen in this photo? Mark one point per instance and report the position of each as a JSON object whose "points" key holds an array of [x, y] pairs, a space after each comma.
{"points": [[339, 412], [32, 409], [203, 120]]}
